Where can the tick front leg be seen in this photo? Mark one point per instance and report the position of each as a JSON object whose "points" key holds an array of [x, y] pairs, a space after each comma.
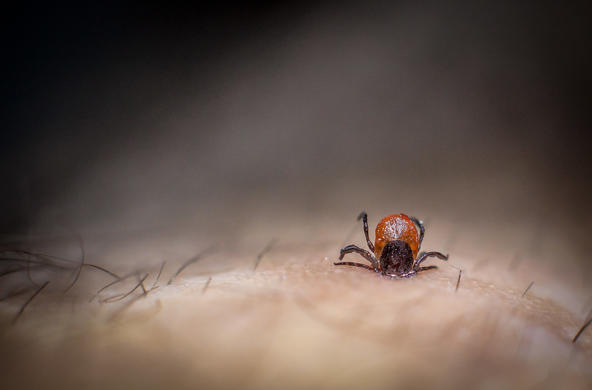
{"points": [[424, 255], [429, 267], [412, 272], [419, 223], [402, 275], [362, 252]]}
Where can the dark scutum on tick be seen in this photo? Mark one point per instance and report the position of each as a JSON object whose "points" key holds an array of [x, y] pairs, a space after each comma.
{"points": [[395, 251]]}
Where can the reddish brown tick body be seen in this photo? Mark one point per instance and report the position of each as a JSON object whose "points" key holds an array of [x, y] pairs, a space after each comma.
{"points": [[396, 247]]}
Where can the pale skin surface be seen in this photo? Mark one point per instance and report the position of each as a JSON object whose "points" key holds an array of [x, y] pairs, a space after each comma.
{"points": [[299, 321]]}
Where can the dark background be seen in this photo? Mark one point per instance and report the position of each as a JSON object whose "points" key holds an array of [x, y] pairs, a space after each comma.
{"points": [[130, 114]]}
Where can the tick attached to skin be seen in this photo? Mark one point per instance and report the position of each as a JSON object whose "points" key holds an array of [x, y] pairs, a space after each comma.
{"points": [[396, 247]]}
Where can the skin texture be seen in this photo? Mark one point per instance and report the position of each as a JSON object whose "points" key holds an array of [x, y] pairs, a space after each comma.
{"points": [[296, 320]]}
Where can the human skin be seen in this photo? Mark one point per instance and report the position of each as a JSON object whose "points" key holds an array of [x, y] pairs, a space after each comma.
{"points": [[296, 320]]}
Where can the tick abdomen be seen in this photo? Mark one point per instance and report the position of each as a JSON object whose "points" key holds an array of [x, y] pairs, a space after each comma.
{"points": [[396, 227]]}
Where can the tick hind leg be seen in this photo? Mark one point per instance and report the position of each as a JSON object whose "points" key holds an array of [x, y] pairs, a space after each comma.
{"points": [[362, 252], [364, 217], [424, 255]]}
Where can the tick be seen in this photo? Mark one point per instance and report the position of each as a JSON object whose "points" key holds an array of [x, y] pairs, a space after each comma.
{"points": [[395, 251]]}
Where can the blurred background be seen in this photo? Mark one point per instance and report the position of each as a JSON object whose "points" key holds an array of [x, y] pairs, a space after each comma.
{"points": [[137, 115], [154, 131]]}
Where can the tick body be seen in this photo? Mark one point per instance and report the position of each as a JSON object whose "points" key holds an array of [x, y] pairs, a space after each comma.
{"points": [[395, 250]]}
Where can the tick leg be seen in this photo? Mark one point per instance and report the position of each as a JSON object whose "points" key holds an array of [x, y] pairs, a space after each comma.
{"points": [[424, 255], [362, 252], [420, 269], [421, 230], [364, 217], [402, 275], [355, 265]]}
